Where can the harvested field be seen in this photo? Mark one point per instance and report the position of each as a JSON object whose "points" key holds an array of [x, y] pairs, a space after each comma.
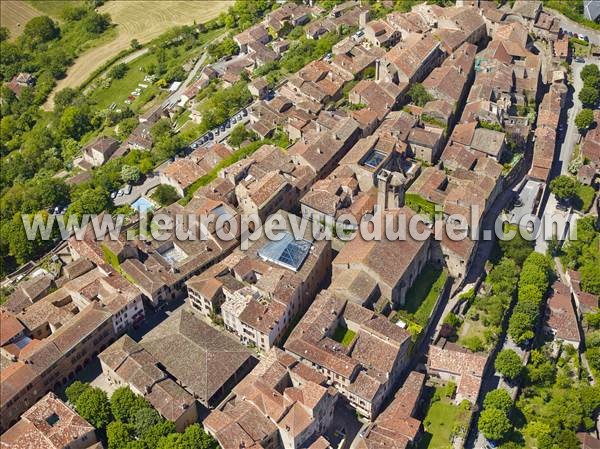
{"points": [[141, 20], [14, 14]]}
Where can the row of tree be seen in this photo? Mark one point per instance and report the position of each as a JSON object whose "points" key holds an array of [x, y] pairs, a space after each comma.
{"points": [[590, 92], [534, 281], [582, 254], [128, 421]]}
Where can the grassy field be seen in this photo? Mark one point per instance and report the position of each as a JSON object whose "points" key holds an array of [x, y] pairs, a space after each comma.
{"points": [[14, 14], [141, 20], [116, 91]]}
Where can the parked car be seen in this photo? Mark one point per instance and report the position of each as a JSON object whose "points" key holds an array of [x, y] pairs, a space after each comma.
{"points": [[222, 128], [244, 112], [233, 121], [210, 136]]}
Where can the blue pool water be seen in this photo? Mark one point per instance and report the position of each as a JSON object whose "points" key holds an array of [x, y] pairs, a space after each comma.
{"points": [[142, 205]]}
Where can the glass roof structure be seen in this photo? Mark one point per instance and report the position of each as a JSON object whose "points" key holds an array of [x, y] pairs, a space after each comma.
{"points": [[374, 158], [287, 252]]}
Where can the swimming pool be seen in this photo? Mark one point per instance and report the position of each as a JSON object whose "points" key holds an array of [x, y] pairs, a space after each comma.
{"points": [[142, 204]]}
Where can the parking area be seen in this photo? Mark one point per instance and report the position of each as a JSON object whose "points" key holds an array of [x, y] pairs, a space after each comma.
{"points": [[130, 196], [221, 133]]}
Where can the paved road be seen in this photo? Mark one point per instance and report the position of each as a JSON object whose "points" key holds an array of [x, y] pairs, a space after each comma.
{"points": [[569, 141], [174, 98], [569, 25], [572, 134]]}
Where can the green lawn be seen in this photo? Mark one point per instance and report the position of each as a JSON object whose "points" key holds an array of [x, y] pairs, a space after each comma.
{"points": [[421, 297], [585, 197], [343, 335], [116, 91], [442, 420], [580, 50]]}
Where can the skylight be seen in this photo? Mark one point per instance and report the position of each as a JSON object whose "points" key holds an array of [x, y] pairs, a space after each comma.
{"points": [[174, 255], [287, 252], [374, 159]]}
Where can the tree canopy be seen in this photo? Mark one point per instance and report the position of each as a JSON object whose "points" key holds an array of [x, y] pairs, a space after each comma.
{"points": [[125, 404], [75, 390], [589, 95], [584, 119], [93, 405], [564, 187], [419, 95], [494, 424], [499, 399], [165, 195], [508, 364]]}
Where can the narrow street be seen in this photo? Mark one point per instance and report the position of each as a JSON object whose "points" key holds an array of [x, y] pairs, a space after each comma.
{"points": [[572, 134], [567, 140]]}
